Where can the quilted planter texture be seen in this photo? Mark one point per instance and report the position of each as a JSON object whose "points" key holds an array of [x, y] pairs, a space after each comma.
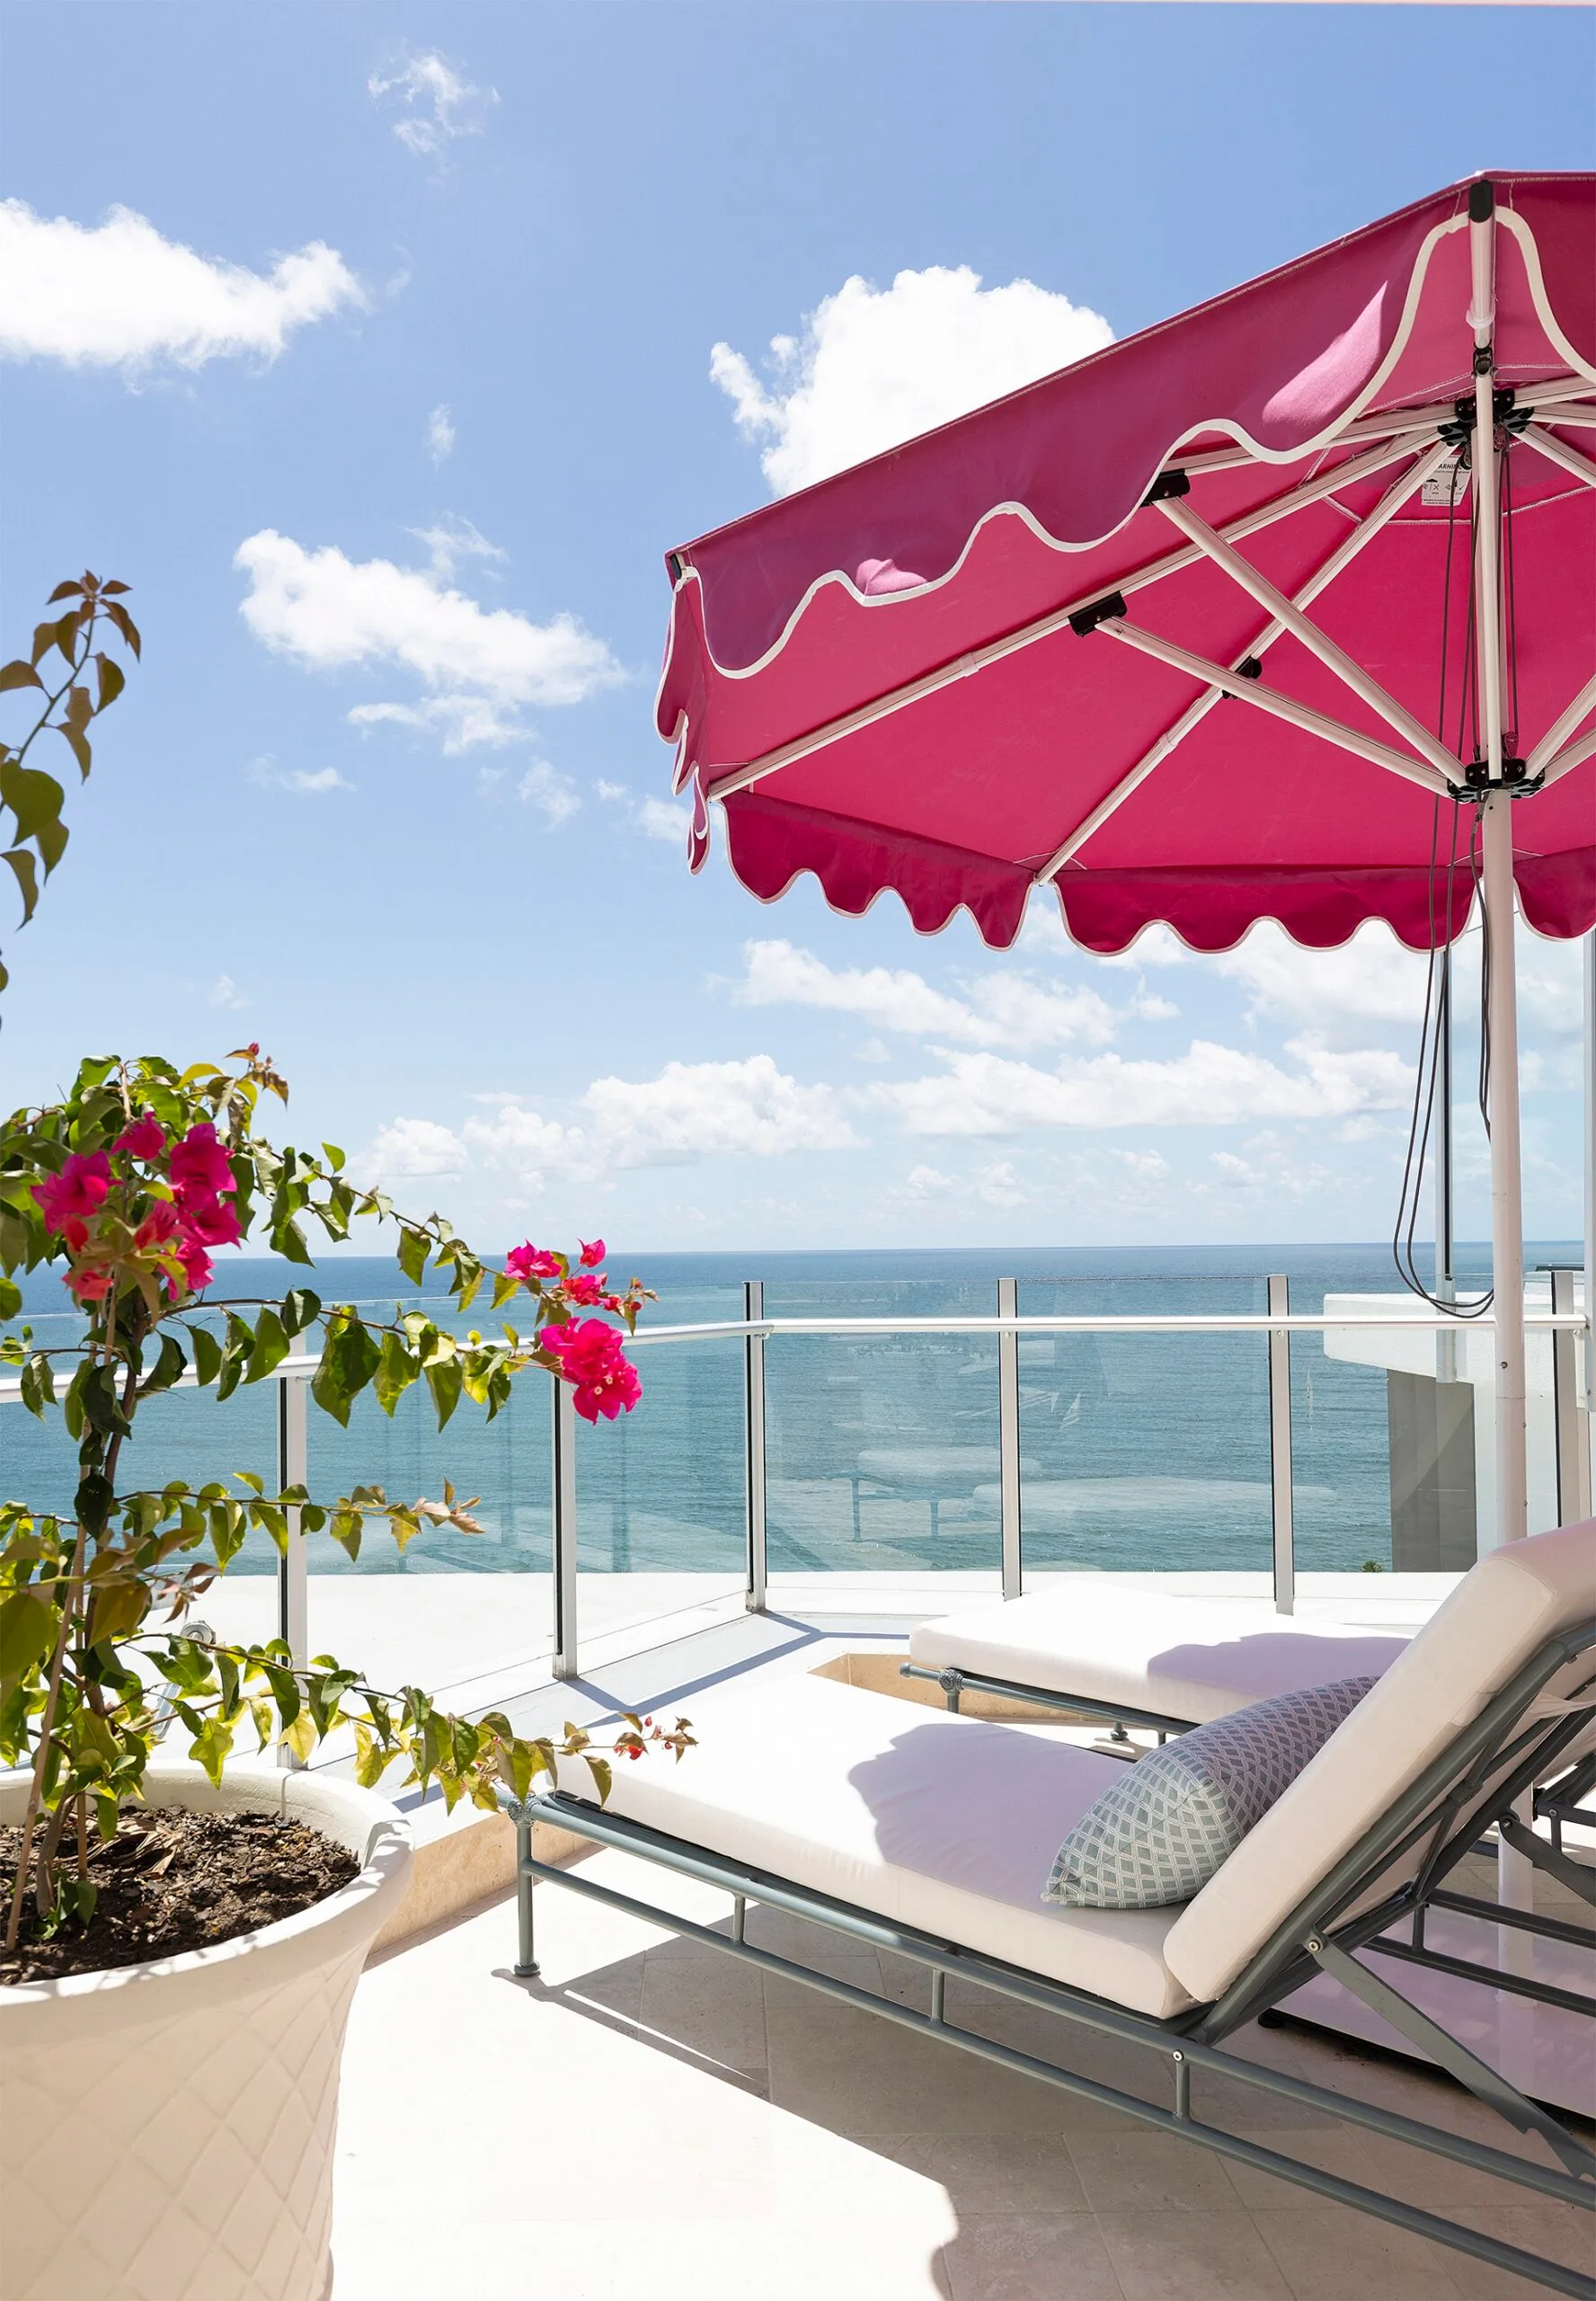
{"points": [[169, 2127]]}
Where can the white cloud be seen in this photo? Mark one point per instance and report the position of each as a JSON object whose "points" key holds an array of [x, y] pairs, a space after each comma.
{"points": [[540, 785], [1208, 1086], [691, 1110], [453, 539], [313, 782], [480, 664], [663, 819], [117, 295], [994, 1184], [441, 434], [874, 366], [225, 992], [1006, 1009], [696, 1109], [440, 104], [409, 1148]]}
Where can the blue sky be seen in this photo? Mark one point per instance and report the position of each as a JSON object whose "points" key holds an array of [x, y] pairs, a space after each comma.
{"points": [[386, 794]]}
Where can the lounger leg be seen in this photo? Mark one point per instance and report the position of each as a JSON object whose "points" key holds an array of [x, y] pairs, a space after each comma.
{"points": [[1183, 2086], [526, 1962], [953, 1686]]}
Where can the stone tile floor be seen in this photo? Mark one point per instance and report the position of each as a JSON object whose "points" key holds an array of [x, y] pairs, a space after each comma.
{"points": [[651, 2122]]}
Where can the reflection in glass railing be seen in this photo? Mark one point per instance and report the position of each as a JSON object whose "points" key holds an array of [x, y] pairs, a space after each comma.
{"points": [[452, 1607], [882, 1449], [660, 1492]]}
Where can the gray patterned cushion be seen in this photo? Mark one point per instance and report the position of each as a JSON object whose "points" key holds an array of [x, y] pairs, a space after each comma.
{"points": [[1159, 1835]]}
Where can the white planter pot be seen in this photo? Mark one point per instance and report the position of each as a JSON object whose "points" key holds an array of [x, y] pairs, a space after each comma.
{"points": [[166, 2130]]}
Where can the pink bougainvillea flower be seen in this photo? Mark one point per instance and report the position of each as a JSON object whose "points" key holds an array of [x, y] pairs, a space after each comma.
{"points": [[145, 1139], [88, 1281], [529, 1262], [592, 1253], [199, 1167], [196, 1264], [583, 1287], [592, 1360], [207, 1220], [79, 1188], [160, 1223]]}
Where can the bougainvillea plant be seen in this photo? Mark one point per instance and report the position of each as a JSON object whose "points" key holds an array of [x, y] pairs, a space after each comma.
{"points": [[128, 1186]]}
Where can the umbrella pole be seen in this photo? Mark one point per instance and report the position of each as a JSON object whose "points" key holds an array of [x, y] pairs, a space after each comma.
{"points": [[1515, 1878], [1507, 1217]]}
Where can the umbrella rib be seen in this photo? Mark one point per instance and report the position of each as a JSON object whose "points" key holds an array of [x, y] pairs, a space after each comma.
{"points": [[1548, 753], [1056, 619], [1279, 707], [1398, 494], [1318, 642], [1572, 755], [1558, 452]]}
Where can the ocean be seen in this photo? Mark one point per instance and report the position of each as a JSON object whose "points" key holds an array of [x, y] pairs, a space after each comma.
{"points": [[1139, 1451]]}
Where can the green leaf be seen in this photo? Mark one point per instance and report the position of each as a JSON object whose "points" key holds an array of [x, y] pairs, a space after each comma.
{"points": [[327, 1389], [412, 1254], [33, 797], [333, 1156], [210, 1747], [10, 1297], [27, 1632], [445, 1378], [112, 680], [26, 878], [168, 1367], [208, 1356], [396, 1370], [300, 1308], [272, 1347]]}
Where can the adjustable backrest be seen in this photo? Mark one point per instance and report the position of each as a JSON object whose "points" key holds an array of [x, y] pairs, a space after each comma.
{"points": [[1495, 1621]]}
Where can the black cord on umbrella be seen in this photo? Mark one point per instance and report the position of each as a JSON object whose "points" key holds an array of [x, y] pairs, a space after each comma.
{"points": [[1436, 1016]]}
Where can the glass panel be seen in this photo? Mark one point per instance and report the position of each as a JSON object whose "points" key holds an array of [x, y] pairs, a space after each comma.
{"points": [[661, 1510], [882, 1449], [455, 1612], [1143, 1453]]}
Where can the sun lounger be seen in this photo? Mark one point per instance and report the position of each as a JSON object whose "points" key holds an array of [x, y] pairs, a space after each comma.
{"points": [[931, 1835], [1107, 1646]]}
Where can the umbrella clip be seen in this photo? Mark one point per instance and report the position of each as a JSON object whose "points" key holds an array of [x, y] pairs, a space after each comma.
{"points": [[1506, 416], [1086, 620], [1477, 784]]}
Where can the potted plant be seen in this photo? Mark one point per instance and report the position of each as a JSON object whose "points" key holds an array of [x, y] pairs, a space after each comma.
{"points": [[182, 1931]]}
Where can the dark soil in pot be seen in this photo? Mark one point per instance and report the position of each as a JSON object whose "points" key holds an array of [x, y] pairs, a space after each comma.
{"points": [[171, 1880]]}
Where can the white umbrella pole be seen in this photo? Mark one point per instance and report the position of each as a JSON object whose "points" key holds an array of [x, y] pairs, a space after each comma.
{"points": [[1507, 1209], [1515, 1878]]}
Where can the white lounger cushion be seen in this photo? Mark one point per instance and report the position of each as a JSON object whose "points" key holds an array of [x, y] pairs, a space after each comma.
{"points": [[1189, 1657], [948, 1824], [1508, 1606]]}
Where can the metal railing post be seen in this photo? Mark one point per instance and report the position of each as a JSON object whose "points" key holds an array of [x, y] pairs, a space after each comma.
{"points": [[753, 1380], [1008, 1437], [564, 1527], [1570, 1419], [1279, 1447], [293, 1568]]}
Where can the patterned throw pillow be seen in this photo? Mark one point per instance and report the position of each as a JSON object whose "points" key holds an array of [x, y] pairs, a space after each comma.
{"points": [[1159, 1834]]}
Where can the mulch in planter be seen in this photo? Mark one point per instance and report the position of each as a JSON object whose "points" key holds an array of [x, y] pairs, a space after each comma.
{"points": [[171, 1880]]}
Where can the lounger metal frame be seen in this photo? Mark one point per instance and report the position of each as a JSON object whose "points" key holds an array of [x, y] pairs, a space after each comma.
{"points": [[1485, 1771]]}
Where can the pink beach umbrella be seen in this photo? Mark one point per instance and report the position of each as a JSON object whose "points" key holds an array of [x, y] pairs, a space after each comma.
{"points": [[1285, 609]]}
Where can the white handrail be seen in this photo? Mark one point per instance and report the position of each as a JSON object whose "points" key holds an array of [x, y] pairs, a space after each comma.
{"points": [[302, 1365]]}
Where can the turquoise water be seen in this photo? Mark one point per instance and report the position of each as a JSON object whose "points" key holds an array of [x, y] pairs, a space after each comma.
{"points": [[663, 1490]]}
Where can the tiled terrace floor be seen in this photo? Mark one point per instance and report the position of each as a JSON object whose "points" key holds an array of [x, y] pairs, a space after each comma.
{"points": [[650, 2121]]}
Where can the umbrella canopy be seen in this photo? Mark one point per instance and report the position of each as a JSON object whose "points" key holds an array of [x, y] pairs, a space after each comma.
{"points": [[1272, 611], [1067, 639]]}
